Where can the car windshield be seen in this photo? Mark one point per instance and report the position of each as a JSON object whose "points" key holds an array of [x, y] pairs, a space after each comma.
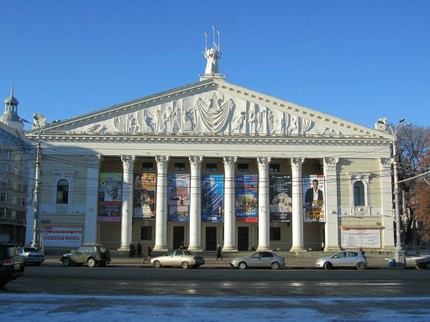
{"points": [[30, 249]]}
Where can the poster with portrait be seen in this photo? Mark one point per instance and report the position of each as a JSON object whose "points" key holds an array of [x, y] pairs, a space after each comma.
{"points": [[212, 197], [178, 197], [246, 198], [110, 197], [144, 196], [314, 196], [280, 198]]}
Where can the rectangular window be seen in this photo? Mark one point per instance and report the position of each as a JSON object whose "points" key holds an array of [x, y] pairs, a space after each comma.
{"points": [[146, 233], [148, 166], [242, 167], [179, 166], [275, 233], [3, 197], [5, 154], [211, 167], [274, 168]]}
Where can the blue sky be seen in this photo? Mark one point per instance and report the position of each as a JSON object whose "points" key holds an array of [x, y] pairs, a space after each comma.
{"points": [[357, 60]]}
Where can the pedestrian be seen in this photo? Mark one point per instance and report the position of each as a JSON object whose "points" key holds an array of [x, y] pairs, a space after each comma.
{"points": [[139, 250], [149, 251], [132, 250], [218, 252]]}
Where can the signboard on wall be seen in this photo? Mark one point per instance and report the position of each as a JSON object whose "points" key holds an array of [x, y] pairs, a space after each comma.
{"points": [[313, 190], [280, 198], [212, 197], [62, 236], [356, 238], [246, 198], [178, 197], [144, 196], [110, 197]]}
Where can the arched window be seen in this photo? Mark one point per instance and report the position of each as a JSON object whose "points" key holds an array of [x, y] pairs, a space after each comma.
{"points": [[63, 192], [359, 199]]}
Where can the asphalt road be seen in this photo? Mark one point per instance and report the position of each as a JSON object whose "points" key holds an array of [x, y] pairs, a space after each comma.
{"points": [[140, 280]]}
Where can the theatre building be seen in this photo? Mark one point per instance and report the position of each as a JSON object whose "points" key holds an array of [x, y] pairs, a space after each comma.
{"points": [[212, 162]]}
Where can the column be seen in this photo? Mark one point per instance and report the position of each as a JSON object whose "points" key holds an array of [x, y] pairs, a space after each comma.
{"points": [[297, 196], [161, 204], [91, 205], [127, 201], [229, 205], [263, 204], [196, 204], [387, 212], [331, 204]]}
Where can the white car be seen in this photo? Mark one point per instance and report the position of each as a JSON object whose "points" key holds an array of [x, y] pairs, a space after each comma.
{"points": [[180, 258], [31, 255], [343, 259], [264, 259]]}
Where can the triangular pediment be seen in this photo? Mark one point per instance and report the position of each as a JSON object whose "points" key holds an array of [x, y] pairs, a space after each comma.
{"points": [[212, 107]]}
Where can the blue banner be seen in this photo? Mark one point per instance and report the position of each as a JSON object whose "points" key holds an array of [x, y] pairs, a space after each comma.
{"points": [[246, 198], [212, 197]]}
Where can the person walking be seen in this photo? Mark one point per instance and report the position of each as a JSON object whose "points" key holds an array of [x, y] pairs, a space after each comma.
{"points": [[139, 249], [218, 252]]}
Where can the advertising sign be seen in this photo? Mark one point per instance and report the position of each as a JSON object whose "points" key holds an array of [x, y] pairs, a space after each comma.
{"points": [[110, 197], [246, 198], [178, 198], [313, 189], [62, 236], [212, 197], [144, 196], [280, 198], [356, 238]]}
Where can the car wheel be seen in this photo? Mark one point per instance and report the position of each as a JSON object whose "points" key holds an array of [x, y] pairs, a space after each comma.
{"points": [[157, 264], [66, 262], [242, 265], [185, 265], [360, 266], [91, 262], [275, 265], [328, 266]]}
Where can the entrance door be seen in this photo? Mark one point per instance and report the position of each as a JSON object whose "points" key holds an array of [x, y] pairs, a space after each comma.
{"points": [[178, 236], [243, 238], [211, 238]]}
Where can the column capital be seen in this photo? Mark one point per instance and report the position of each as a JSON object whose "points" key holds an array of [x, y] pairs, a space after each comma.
{"points": [[296, 162], [386, 163], [229, 161], [263, 162], [330, 163], [128, 162], [93, 161], [162, 159], [195, 160]]}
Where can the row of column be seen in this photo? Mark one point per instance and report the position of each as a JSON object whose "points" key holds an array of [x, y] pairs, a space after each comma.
{"points": [[195, 242]]}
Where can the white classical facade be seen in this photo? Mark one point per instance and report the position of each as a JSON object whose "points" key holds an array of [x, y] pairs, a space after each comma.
{"points": [[213, 162]]}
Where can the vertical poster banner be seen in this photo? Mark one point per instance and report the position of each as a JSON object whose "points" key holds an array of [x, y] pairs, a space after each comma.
{"points": [[144, 196], [246, 198], [313, 189], [280, 190], [110, 197], [178, 197], [212, 197]]}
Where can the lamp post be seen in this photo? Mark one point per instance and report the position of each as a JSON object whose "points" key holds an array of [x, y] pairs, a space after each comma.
{"points": [[36, 229], [399, 252]]}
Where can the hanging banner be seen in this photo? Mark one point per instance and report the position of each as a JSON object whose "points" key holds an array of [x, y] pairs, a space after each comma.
{"points": [[313, 189], [212, 197], [280, 198], [144, 196], [178, 198], [246, 198], [110, 197]]}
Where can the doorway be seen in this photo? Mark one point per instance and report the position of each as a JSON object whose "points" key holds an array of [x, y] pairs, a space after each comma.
{"points": [[211, 238], [243, 239], [178, 236]]}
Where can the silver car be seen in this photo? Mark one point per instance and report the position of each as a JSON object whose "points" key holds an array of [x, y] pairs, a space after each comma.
{"points": [[31, 255], [343, 259], [180, 258], [264, 259]]}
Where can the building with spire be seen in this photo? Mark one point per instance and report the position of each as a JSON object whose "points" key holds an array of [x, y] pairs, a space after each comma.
{"points": [[214, 163]]}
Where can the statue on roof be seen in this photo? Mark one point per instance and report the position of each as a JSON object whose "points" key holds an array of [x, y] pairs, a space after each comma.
{"points": [[212, 55]]}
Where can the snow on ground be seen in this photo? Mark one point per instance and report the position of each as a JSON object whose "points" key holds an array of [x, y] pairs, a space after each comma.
{"points": [[62, 308]]}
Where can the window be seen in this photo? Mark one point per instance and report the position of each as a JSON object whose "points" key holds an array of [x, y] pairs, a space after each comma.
{"points": [[146, 233], [179, 166], [242, 167], [147, 166], [274, 168], [3, 197], [211, 167], [5, 154], [275, 233], [359, 194], [62, 191]]}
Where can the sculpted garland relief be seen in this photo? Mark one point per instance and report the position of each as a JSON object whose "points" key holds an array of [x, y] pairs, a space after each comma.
{"points": [[213, 115]]}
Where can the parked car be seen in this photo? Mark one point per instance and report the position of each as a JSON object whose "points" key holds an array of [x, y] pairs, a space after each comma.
{"points": [[263, 259], [11, 264], [422, 262], [180, 258], [343, 259], [31, 255], [91, 254]]}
